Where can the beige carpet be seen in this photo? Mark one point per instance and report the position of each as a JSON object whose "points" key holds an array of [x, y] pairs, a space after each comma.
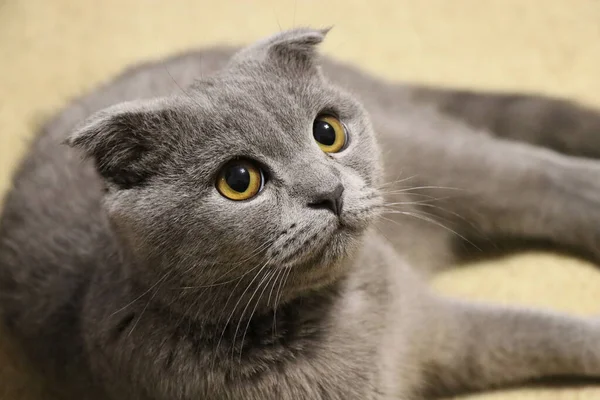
{"points": [[52, 50]]}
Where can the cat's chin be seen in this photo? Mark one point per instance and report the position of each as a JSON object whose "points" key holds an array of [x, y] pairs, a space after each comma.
{"points": [[335, 246], [329, 262]]}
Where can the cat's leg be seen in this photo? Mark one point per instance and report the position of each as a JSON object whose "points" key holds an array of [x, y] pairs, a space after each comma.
{"points": [[559, 124], [468, 184], [474, 347]]}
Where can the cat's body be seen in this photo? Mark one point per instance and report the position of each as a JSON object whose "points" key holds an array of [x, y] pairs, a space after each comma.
{"points": [[101, 293]]}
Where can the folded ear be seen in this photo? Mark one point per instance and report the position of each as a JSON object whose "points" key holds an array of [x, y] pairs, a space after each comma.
{"points": [[293, 50], [124, 141]]}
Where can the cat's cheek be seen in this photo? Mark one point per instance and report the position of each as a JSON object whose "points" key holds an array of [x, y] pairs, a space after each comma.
{"points": [[361, 211], [249, 223]]}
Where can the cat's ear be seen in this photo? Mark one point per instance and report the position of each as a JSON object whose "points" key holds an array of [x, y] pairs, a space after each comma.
{"points": [[293, 50], [123, 141]]}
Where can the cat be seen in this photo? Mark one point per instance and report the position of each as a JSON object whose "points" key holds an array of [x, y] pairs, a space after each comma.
{"points": [[236, 224]]}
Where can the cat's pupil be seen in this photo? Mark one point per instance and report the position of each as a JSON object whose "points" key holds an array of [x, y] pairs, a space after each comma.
{"points": [[238, 178], [324, 133]]}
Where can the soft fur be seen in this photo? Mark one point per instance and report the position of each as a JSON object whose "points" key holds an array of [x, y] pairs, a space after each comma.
{"points": [[129, 276]]}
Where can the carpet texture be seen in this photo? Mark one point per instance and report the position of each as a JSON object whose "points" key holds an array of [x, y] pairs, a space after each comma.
{"points": [[52, 50]]}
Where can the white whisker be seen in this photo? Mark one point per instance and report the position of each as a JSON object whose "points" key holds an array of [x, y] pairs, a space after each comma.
{"points": [[258, 285], [271, 275]]}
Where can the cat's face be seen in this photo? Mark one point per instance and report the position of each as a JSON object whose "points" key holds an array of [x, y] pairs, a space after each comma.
{"points": [[261, 169]]}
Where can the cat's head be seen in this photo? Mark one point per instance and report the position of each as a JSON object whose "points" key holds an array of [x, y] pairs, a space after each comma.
{"points": [[262, 170]]}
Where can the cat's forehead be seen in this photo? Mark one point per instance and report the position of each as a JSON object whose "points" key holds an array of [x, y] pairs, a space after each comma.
{"points": [[258, 106], [240, 123], [256, 90], [259, 114]]}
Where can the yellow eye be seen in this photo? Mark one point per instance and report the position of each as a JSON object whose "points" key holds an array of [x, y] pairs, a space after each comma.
{"points": [[330, 134], [240, 180]]}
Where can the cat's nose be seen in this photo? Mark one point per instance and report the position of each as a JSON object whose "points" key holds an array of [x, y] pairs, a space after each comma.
{"points": [[330, 200]]}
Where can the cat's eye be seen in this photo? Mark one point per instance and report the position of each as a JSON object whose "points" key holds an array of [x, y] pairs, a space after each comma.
{"points": [[240, 180], [330, 134]]}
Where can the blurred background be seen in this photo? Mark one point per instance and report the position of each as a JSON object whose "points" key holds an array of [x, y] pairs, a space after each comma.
{"points": [[53, 50]]}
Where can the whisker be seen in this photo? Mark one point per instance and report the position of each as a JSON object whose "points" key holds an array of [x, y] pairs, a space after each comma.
{"points": [[282, 287], [246, 307], [426, 204], [143, 294], [271, 275], [417, 202], [262, 247], [386, 184], [422, 213], [218, 284], [227, 323], [280, 273], [238, 302], [408, 189], [145, 307], [432, 221]]}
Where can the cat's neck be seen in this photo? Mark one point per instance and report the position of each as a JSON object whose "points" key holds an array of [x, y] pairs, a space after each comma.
{"points": [[250, 297], [264, 326]]}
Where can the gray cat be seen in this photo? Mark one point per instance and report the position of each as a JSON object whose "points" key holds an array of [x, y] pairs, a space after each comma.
{"points": [[242, 236]]}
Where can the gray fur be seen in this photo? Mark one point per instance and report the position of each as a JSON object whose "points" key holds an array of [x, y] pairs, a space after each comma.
{"points": [[128, 276]]}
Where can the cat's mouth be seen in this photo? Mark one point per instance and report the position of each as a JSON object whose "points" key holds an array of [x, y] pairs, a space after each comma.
{"points": [[319, 243], [327, 248]]}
